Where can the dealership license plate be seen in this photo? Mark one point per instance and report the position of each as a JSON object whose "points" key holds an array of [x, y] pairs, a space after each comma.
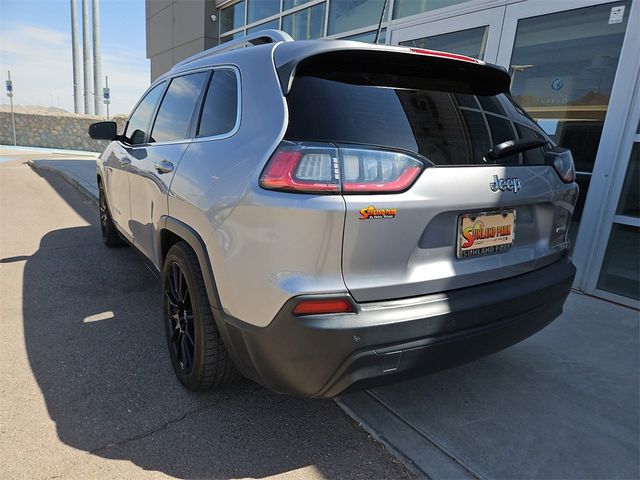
{"points": [[485, 233]]}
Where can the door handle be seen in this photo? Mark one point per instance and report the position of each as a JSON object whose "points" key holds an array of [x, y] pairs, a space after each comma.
{"points": [[164, 166]]}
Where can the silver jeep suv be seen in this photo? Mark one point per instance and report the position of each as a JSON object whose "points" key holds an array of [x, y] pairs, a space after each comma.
{"points": [[329, 215]]}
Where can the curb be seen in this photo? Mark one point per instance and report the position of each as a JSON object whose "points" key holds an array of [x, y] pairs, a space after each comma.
{"points": [[50, 150], [419, 453], [68, 178], [383, 441]]}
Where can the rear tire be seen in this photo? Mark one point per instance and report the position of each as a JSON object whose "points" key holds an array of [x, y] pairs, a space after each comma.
{"points": [[110, 235], [198, 355]]}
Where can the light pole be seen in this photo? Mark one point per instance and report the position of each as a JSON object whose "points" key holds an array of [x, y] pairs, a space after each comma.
{"points": [[75, 55], [97, 60], [86, 59], [10, 95]]}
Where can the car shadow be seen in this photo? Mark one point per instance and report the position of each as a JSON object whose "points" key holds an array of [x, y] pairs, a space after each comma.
{"points": [[96, 348]]}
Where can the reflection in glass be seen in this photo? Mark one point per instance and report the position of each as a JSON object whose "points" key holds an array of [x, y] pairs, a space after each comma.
{"points": [[345, 15], [273, 24], [259, 9], [287, 4], [141, 118], [620, 269], [472, 42], [630, 197], [220, 109], [231, 37], [369, 37], [428, 122], [404, 8], [176, 110], [563, 66], [305, 24], [232, 17]]}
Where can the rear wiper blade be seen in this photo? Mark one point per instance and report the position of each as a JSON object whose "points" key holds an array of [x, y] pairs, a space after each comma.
{"points": [[515, 146]]}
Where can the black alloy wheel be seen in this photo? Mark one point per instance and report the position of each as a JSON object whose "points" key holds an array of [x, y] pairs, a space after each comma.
{"points": [[179, 318], [110, 235], [198, 355]]}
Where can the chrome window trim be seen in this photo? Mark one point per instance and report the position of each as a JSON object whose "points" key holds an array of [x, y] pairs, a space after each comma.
{"points": [[236, 126], [231, 132]]}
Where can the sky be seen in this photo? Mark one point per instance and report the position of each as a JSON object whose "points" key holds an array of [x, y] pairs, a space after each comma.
{"points": [[35, 44]]}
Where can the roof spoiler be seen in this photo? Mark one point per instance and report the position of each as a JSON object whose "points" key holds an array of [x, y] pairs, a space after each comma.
{"points": [[400, 67], [257, 38]]}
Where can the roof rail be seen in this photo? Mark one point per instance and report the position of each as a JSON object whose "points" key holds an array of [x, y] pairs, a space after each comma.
{"points": [[257, 38]]}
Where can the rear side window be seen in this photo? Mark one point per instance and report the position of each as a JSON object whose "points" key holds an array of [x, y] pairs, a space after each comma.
{"points": [[445, 127], [220, 111], [177, 108], [140, 119]]}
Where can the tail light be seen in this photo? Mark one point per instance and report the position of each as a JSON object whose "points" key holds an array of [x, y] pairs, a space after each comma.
{"points": [[562, 162], [323, 306], [320, 168]]}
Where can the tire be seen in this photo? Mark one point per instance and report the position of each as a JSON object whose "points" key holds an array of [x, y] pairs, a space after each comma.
{"points": [[198, 355], [110, 235]]}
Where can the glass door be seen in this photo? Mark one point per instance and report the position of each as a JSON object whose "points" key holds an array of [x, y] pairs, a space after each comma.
{"points": [[475, 34], [563, 65], [615, 256], [570, 72]]}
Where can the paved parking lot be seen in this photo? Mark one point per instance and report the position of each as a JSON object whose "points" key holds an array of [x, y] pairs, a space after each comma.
{"points": [[86, 388]]}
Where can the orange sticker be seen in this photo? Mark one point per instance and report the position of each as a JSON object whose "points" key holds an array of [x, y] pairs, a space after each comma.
{"points": [[377, 213]]}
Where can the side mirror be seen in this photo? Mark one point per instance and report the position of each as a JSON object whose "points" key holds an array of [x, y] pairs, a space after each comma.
{"points": [[103, 131]]}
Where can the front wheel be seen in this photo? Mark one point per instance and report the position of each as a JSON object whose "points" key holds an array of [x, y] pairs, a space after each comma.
{"points": [[110, 235], [198, 355]]}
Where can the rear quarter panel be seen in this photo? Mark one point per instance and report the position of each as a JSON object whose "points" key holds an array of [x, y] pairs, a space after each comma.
{"points": [[263, 247]]}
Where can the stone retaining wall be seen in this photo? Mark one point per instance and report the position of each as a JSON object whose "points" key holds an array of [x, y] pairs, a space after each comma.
{"points": [[54, 131]]}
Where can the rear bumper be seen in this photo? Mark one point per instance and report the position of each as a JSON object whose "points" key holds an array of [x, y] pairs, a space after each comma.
{"points": [[324, 355]]}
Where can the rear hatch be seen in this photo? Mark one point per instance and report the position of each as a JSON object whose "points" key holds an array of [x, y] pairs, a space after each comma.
{"points": [[468, 216]]}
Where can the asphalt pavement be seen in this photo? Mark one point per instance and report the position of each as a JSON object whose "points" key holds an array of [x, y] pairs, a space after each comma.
{"points": [[86, 387], [565, 403]]}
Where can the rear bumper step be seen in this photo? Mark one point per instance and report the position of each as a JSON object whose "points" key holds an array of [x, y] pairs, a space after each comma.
{"points": [[324, 355]]}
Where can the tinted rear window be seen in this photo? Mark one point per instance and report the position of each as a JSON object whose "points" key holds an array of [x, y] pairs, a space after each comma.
{"points": [[447, 128], [220, 110], [177, 107]]}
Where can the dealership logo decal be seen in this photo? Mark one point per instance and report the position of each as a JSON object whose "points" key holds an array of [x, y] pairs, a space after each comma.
{"points": [[479, 232], [557, 84], [504, 184], [377, 213]]}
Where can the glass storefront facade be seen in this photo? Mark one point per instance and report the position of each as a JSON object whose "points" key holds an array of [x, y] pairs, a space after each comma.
{"points": [[471, 42], [563, 66], [302, 19], [573, 65]]}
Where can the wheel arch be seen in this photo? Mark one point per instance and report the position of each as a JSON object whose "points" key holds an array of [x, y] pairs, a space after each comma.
{"points": [[172, 231]]}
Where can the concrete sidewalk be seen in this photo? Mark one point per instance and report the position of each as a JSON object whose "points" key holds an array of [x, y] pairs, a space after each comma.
{"points": [[562, 404], [79, 170]]}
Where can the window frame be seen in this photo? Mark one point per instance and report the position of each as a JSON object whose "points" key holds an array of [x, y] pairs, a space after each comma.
{"points": [[151, 118], [200, 109], [197, 106], [194, 123]]}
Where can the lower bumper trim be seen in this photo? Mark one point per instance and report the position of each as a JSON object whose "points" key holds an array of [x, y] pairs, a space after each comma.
{"points": [[324, 355]]}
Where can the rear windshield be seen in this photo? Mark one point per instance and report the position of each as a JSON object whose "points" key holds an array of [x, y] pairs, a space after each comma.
{"points": [[445, 127]]}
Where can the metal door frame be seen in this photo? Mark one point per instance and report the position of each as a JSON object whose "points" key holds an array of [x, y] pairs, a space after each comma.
{"points": [[615, 146]]}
